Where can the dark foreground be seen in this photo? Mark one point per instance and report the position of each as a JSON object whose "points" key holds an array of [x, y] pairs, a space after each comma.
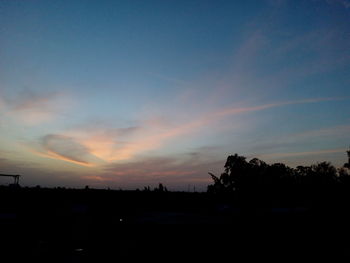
{"points": [[59, 225]]}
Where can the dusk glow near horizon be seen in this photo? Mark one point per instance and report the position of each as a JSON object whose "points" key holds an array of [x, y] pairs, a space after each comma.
{"points": [[127, 94]]}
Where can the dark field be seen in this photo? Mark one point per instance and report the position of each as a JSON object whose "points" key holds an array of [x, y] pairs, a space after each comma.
{"points": [[62, 225]]}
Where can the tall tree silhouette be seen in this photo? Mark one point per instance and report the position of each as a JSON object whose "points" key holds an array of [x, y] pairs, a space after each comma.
{"points": [[347, 165], [324, 173], [259, 182]]}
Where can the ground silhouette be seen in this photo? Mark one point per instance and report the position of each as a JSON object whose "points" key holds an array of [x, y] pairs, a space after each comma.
{"points": [[252, 210]]}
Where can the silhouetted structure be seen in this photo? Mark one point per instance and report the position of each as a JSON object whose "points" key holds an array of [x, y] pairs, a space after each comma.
{"points": [[15, 177]]}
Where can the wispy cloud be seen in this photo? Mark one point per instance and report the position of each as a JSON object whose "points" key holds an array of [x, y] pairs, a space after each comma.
{"points": [[63, 148], [233, 111], [299, 139], [91, 145], [293, 154], [176, 170], [335, 131], [105, 142], [170, 79], [344, 3], [32, 108]]}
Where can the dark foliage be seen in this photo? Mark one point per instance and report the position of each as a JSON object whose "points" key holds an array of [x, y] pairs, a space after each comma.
{"points": [[257, 183], [259, 210]]}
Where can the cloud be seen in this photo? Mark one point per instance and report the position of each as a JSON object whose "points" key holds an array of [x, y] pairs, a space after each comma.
{"points": [[215, 116], [93, 144], [233, 111], [32, 108], [169, 79], [29, 100], [3, 161], [344, 3], [272, 58], [336, 131], [174, 171], [87, 145], [33, 173], [293, 154], [64, 148], [301, 139], [110, 143]]}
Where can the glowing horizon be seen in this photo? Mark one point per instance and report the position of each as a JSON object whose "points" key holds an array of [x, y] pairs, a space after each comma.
{"points": [[110, 95]]}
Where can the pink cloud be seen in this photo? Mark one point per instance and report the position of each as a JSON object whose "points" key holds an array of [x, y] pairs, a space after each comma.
{"points": [[93, 145], [56, 156], [172, 170], [63, 148], [31, 108]]}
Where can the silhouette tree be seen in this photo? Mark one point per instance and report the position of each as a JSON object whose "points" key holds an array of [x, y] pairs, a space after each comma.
{"points": [[347, 165], [258, 182], [323, 173], [218, 186], [160, 188], [344, 176], [235, 172], [303, 171], [344, 172]]}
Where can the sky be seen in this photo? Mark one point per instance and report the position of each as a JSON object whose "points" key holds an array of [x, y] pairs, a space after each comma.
{"points": [[127, 94]]}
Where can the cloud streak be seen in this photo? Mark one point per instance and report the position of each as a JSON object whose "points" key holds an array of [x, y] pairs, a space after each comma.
{"points": [[302, 138], [297, 154], [31, 108], [233, 111], [95, 145], [63, 148], [344, 3]]}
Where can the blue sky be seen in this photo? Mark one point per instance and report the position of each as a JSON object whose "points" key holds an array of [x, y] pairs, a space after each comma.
{"points": [[125, 94]]}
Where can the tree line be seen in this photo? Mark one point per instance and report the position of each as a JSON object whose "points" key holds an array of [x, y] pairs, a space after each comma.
{"points": [[257, 182]]}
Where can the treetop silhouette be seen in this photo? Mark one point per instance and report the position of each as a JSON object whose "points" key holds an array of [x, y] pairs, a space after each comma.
{"points": [[255, 179]]}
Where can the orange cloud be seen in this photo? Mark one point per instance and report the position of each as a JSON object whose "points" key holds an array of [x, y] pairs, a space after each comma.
{"points": [[55, 156], [112, 146], [64, 158], [89, 146]]}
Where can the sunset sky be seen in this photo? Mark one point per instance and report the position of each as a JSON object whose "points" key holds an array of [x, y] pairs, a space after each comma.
{"points": [[125, 94]]}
